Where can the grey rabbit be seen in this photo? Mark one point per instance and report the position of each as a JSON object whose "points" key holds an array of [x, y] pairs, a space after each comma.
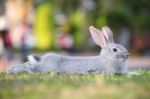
{"points": [[113, 58]]}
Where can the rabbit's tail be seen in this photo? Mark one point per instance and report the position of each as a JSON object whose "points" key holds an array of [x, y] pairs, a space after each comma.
{"points": [[34, 58]]}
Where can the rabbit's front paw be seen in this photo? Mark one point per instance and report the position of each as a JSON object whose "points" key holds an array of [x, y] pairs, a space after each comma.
{"points": [[134, 73]]}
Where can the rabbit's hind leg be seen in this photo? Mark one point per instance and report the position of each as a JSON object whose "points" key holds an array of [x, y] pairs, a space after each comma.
{"points": [[25, 67]]}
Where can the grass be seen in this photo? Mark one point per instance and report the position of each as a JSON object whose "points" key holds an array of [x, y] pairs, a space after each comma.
{"points": [[73, 86]]}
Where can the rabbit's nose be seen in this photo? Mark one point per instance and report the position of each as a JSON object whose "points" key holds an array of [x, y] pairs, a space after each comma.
{"points": [[127, 55]]}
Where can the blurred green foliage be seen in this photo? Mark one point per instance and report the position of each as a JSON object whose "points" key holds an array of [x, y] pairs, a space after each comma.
{"points": [[114, 13], [44, 25]]}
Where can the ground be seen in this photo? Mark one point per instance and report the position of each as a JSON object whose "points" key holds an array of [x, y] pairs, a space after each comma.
{"points": [[74, 86]]}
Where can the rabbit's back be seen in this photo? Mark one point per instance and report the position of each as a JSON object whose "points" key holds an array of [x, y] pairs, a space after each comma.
{"points": [[79, 64], [69, 64]]}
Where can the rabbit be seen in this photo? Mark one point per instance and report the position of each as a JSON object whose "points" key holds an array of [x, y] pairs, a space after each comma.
{"points": [[113, 58]]}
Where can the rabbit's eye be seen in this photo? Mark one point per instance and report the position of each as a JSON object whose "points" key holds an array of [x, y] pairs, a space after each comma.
{"points": [[114, 49]]}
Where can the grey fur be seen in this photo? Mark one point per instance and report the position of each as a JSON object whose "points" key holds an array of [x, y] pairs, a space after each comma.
{"points": [[107, 61]]}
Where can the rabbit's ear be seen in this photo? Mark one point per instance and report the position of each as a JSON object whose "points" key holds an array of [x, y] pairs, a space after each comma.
{"points": [[108, 34], [97, 36]]}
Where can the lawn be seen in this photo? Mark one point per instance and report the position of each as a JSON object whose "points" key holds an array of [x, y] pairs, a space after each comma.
{"points": [[74, 86]]}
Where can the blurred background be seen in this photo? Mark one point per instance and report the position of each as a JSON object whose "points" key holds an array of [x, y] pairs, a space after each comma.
{"points": [[39, 26]]}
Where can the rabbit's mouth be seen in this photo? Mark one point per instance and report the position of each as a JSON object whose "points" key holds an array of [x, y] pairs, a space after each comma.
{"points": [[123, 56]]}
